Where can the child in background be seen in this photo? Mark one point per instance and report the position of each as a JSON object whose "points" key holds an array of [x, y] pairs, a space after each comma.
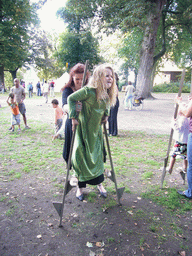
{"points": [[58, 115], [61, 131], [180, 135], [15, 112]]}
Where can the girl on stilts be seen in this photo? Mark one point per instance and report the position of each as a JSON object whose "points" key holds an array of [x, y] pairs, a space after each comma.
{"points": [[96, 99]]}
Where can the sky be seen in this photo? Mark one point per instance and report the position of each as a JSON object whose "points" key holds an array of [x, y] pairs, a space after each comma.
{"points": [[49, 23], [47, 15]]}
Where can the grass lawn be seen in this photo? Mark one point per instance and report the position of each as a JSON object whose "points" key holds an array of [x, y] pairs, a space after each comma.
{"points": [[30, 161]]}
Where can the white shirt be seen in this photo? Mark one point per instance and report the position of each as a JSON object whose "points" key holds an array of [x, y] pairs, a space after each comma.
{"points": [[181, 129], [45, 87]]}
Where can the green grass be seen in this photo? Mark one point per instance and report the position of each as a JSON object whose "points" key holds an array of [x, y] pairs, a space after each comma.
{"points": [[136, 158], [9, 212], [110, 239], [170, 200], [3, 198], [147, 175], [91, 197]]}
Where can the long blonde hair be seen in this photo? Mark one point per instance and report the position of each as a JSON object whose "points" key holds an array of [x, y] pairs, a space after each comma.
{"points": [[97, 82]]}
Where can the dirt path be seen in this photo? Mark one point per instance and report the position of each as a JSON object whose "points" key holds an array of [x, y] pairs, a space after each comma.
{"points": [[154, 118]]}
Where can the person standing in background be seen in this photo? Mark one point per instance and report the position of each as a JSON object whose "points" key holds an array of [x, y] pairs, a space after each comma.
{"points": [[30, 89], [129, 96], [52, 85], [19, 93], [46, 91], [112, 120], [38, 86]]}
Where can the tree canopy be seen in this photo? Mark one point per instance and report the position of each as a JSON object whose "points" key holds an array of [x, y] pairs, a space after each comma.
{"points": [[45, 61], [77, 43], [162, 23], [18, 19]]}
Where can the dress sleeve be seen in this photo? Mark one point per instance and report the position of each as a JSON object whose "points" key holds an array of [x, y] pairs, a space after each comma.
{"points": [[79, 95]]}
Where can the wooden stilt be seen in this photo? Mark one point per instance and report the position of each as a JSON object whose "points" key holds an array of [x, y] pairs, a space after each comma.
{"points": [[119, 191], [171, 133]]}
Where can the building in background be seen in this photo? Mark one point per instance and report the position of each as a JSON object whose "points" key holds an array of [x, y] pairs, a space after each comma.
{"points": [[167, 74]]}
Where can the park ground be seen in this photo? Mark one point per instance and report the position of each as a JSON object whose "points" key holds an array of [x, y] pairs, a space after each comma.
{"points": [[149, 221]]}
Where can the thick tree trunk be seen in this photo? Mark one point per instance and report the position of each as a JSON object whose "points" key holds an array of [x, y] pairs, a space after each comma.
{"points": [[145, 72], [14, 74], [1, 74], [1, 65]]}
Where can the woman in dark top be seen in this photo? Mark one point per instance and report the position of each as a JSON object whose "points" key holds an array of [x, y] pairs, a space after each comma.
{"points": [[112, 120], [74, 84]]}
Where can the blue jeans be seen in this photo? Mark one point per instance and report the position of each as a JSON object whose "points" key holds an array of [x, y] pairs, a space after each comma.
{"points": [[30, 94], [188, 192], [38, 91], [128, 101]]}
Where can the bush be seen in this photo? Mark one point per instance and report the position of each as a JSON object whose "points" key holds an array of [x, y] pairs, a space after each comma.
{"points": [[171, 88]]}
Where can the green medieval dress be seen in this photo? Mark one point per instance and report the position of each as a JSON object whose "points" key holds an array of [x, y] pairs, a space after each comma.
{"points": [[87, 156]]}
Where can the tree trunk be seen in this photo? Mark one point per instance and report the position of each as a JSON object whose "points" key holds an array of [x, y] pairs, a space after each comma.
{"points": [[1, 74], [145, 72], [14, 74], [191, 83], [1, 65]]}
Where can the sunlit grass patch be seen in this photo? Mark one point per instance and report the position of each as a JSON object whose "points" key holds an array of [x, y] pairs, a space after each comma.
{"points": [[17, 175], [147, 175], [91, 197], [170, 199]]}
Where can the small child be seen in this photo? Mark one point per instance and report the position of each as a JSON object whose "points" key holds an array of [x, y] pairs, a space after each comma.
{"points": [[181, 131], [15, 112], [58, 115]]}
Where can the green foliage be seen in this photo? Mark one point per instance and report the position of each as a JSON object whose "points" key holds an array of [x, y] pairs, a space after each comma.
{"points": [[8, 81], [151, 28], [171, 88], [17, 20], [77, 47], [77, 44], [45, 59]]}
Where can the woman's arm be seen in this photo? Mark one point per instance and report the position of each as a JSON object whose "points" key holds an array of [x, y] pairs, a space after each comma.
{"points": [[80, 95], [187, 111]]}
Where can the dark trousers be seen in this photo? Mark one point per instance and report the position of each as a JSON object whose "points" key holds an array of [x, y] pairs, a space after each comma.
{"points": [[68, 138], [113, 129]]}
